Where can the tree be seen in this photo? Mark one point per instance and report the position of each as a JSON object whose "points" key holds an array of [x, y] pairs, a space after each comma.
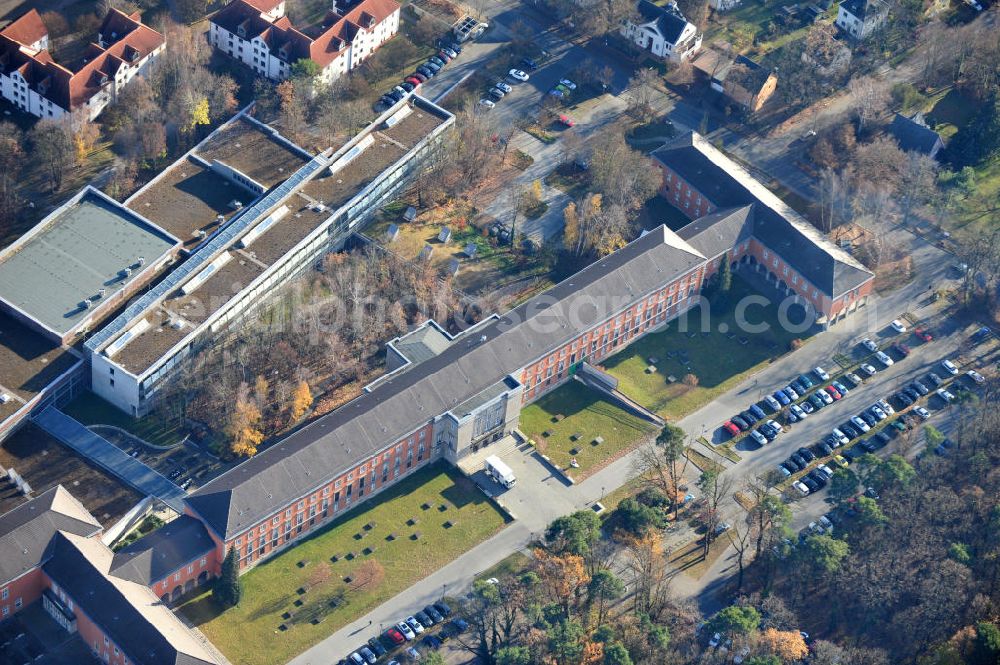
{"points": [[714, 488], [893, 472], [243, 428], [769, 659], [604, 586], [869, 512], [301, 400], [198, 114], [566, 641], [575, 533], [843, 485], [616, 654], [52, 146], [636, 518], [571, 225], [433, 658], [870, 96], [916, 183], [824, 554], [424, 31], [642, 90], [291, 106], [228, 589], [787, 645], [11, 162], [304, 70], [513, 655], [725, 275], [621, 175], [987, 649], [734, 620], [979, 139]]}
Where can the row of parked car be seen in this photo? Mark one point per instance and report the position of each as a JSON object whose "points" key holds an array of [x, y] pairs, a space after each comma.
{"points": [[408, 630], [449, 50], [501, 88]]}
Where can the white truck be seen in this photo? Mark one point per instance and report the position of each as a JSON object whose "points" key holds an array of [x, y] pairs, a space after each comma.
{"points": [[467, 28], [499, 471]]}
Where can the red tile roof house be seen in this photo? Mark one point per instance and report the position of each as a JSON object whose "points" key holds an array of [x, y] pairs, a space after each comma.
{"points": [[258, 34], [33, 82]]}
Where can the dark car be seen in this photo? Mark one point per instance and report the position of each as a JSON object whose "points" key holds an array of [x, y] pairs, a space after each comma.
{"points": [[904, 399], [831, 441], [806, 381], [424, 619], [825, 447], [850, 430], [806, 453], [782, 398], [920, 388], [854, 453], [432, 642], [739, 422], [798, 386], [425, 71], [816, 401], [934, 380], [460, 624], [529, 63], [436, 60], [768, 432], [419, 76], [432, 612], [901, 349], [818, 477], [811, 483], [790, 466], [407, 86], [396, 95], [441, 606], [881, 439], [912, 393], [757, 411], [749, 417], [868, 446], [376, 646], [433, 66], [799, 460], [868, 418]]}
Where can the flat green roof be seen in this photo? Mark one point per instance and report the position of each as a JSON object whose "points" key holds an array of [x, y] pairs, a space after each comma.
{"points": [[74, 253]]}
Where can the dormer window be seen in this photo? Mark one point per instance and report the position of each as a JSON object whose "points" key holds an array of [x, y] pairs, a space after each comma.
{"points": [[241, 31]]}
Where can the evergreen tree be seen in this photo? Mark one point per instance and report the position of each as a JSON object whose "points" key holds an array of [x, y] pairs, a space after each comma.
{"points": [[725, 275], [228, 589]]}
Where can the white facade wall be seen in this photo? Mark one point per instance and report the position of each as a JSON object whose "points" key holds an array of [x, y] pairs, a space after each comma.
{"points": [[646, 37]]}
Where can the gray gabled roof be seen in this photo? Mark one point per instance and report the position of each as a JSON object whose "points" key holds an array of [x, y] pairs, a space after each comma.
{"points": [[26, 531], [728, 185], [162, 552], [719, 231], [336, 442], [913, 135], [669, 22], [862, 8]]}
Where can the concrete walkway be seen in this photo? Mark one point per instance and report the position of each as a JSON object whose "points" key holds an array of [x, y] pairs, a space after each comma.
{"points": [[110, 458]]}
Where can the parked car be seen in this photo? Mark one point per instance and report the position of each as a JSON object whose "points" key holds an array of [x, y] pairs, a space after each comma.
{"points": [[976, 376], [840, 461], [731, 428], [757, 411], [869, 345], [406, 630], [850, 430], [437, 61], [923, 334], [825, 447], [904, 399], [407, 86], [749, 416], [783, 470], [812, 403], [715, 641], [412, 622], [774, 426], [806, 454], [413, 654], [877, 411], [885, 406], [867, 370], [934, 380], [840, 437], [883, 358], [432, 642], [920, 388], [810, 482], [799, 460], [529, 63], [860, 424], [395, 635], [772, 403], [949, 367], [799, 387], [898, 326], [981, 334], [376, 645], [414, 79], [912, 393], [443, 608], [801, 487], [901, 349], [782, 398], [821, 373], [368, 655], [432, 612], [503, 86], [853, 378], [833, 392], [945, 395], [424, 620], [797, 411], [487, 103], [818, 477], [758, 437], [825, 396], [806, 381], [569, 84], [460, 624], [790, 465], [791, 392], [356, 659], [518, 75]]}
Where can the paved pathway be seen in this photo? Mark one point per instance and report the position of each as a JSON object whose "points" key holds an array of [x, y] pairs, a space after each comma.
{"points": [[110, 458]]}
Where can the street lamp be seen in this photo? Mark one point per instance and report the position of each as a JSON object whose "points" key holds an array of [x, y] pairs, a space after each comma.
{"points": [[444, 588]]}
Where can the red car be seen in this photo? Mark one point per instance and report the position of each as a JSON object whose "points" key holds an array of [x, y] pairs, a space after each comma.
{"points": [[901, 349], [833, 392], [395, 636], [414, 80], [566, 120], [420, 77], [923, 334], [731, 428]]}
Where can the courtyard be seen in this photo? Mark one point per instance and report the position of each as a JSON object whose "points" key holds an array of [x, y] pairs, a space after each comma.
{"points": [[709, 346], [363, 559]]}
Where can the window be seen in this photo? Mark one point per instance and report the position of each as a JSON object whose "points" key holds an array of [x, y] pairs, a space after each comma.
{"points": [[112, 382], [4, 594], [203, 562], [111, 370], [177, 577], [191, 568], [17, 603]]}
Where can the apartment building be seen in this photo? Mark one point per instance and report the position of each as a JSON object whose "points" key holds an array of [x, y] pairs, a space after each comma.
{"points": [[286, 230], [51, 551], [31, 80], [258, 34]]}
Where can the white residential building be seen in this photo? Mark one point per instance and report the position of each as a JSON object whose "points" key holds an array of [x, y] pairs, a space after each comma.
{"points": [[663, 31], [258, 34], [860, 18], [33, 82]]}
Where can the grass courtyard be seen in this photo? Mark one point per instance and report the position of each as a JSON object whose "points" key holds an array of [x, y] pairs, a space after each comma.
{"points": [[719, 360], [386, 559], [582, 412], [90, 409]]}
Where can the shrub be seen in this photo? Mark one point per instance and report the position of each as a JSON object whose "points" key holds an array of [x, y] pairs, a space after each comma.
{"points": [[690, 380]]}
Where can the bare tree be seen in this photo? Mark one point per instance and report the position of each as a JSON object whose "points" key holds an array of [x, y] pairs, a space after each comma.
{"points": [[870, 97], [642, 90]]}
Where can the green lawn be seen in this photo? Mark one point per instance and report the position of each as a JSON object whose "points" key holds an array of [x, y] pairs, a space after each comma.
{"points": [[587, 414], [249, 633], [90, 409], [717, 361]]}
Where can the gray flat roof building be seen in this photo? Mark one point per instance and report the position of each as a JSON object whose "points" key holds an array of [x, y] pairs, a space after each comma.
{"points": [[76, 260]]}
